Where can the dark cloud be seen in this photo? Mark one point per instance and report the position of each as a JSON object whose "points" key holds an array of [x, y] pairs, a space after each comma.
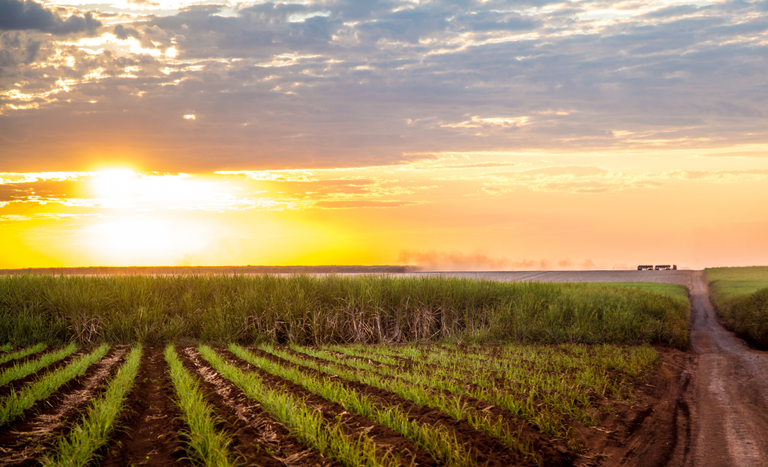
{"points": [[345, 83], [18, 15], [123, 33]]}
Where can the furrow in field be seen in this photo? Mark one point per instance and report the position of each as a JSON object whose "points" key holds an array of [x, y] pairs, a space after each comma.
{"points": [[557, 393], [254, 434], [552, 452], [205, 443], [9, 359], [354, 426], [27, 438], [19, 384], [83, 445], [23, 369], [486, 449], [149, 426]]}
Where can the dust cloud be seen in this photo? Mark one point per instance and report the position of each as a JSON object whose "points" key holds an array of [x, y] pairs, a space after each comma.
{"points": [[456, 261]]}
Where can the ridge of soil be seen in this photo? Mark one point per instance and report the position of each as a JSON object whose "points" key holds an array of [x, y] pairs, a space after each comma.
{"points": [[652, 429], [25, 438], [354, 425], [486, 449], [18, 384], [147, 433], [254, 433]]}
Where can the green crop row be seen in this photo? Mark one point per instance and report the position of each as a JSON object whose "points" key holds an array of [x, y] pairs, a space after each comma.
{"points": [[5, 347], [207, 444], [740, 296], [16, 403], [540, 384], [22, 353], [306, 423], [322, 310], [421, 395], [21, 370], [438, 442], [79, 448]]}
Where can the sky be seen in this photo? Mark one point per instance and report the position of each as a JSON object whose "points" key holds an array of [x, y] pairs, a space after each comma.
{"points": [[462, 135]]}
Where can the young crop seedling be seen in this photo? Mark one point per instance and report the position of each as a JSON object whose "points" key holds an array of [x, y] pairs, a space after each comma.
{"points": [[21, 370], [16, 403], [439, 442], [79, 448], [207, 444], [22, 353], [304, 422]]}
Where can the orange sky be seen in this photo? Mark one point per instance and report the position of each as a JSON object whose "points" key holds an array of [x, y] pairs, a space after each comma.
{"points": [[447, 211], [543, 134]]}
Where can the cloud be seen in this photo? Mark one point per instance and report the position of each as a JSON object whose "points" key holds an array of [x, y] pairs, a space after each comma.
{"points": [[27, 14], [324, 84], [361, 204]]}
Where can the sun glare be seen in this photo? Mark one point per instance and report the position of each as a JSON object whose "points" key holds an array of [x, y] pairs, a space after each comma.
{"points": [[115, 183], [145, 240]]}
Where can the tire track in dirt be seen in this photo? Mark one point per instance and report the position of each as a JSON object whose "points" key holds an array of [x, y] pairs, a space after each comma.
{"points": [[23, 440], [147, 431], [253, 431], [729, 392]]}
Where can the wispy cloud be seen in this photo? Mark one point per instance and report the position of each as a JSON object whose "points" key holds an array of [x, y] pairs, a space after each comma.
{"points": [[334, 84]]}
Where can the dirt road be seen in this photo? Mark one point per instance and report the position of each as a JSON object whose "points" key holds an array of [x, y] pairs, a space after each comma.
{"points": [[729, 392]]}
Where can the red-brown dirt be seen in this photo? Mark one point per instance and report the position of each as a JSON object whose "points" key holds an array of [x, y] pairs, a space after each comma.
{"points": [[354, 425], [24, 439], [254, 434], [18, 385], [148, 431]]}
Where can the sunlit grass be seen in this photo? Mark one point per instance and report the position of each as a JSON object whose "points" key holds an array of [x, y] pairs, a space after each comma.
{"points": [[207, 444], [304, 422], [21, 370], [16, 403], [80, 447], [740, 296], [311, 310]]}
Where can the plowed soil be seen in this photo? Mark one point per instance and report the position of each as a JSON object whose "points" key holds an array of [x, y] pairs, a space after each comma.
{"points": [[24, 439], [354, 425], [255, 434], [148, 432], [704, 407]]}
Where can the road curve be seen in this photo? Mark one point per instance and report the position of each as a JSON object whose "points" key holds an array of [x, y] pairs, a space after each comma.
{"points": [[728, 394]]}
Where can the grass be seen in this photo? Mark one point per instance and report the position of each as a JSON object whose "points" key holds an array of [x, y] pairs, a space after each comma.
{"points": [[16, 403], [79, 448], [308, 310], [21, 370], [207, 444], [676, 291], [421, 395], [740, 296], [440, 443], [5, 348], [544, 385], [306, 423], [22, 353]]}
